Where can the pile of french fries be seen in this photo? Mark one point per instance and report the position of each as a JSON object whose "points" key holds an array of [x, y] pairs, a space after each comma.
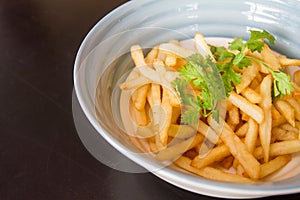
{"points": [[257, 137]]}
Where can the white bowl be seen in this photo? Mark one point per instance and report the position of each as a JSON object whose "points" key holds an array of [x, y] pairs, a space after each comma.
{"points": [[103, 56]]}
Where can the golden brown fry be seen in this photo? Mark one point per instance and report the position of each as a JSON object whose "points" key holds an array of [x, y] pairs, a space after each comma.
{"points": [[210, 173], [275, 113], [296, 77], [274, 165], [296, 105], [280, 148], [242, 131], [281, 134], [266, 126], [286, 110], [140, 116], [214, 155], [162, 137], [227, 162], [234, 115], [284, 61], [137, 55], [139, 97], [252, 110], [279, 121]]}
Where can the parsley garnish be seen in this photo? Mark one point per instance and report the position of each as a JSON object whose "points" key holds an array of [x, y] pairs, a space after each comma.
{"points": [[202, 73], [216, 81]]}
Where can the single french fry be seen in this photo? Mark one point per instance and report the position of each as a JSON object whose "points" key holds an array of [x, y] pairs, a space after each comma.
{"points": [[296, 105], [266, 126], [281, 134], [278, 122], [296, 77], [216, 154], [139, 97], [275, 113], [279, 148], [248, 75], [270, 58], [162, 137], [176, 112], [274, 165], [237, 149], [284, 61], [210, 172], [178, 149], [289, 127], [251, 95], [140, 116], [137, 55], [227, 162], [234, 115], [208, 132], [181, 131], [152, 55], [251, 135], [242, 131], [201, 45], [252, 110], [286, 110]]}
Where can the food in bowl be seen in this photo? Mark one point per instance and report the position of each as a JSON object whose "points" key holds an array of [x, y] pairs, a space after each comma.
{"points": [[227, 113]]}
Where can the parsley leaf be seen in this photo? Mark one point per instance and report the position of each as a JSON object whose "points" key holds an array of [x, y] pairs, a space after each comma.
{"points": [[202, 73]]}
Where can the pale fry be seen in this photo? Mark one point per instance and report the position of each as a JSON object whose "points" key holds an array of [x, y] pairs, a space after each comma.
{"points": [[274, 165], [201, 45], [251, 135], [284, 61], [251, 95], [248, 75], [281, 134], [210, 172], [151, 55], [178, 149], [270, 58], [181, 131], [252, 110], [266, 126], [208, 132], [286, 110]]}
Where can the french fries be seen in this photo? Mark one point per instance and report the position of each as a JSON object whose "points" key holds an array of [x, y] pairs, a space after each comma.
{"points": [[257, 137]]}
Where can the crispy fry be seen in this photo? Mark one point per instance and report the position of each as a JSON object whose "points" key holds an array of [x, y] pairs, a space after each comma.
{"points": [[286, 110], [242, 131], [251, 135], [234, 115], [296, 105], [216, 154], [252, 110], [151, 55], [270, 58], [274, 165], [210, 173], [284, 61], [266, 126], [279, 148], [297, 76]]}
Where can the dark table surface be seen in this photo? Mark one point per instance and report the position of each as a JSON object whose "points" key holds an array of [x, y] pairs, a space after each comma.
{"points": [[41, 154]]}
